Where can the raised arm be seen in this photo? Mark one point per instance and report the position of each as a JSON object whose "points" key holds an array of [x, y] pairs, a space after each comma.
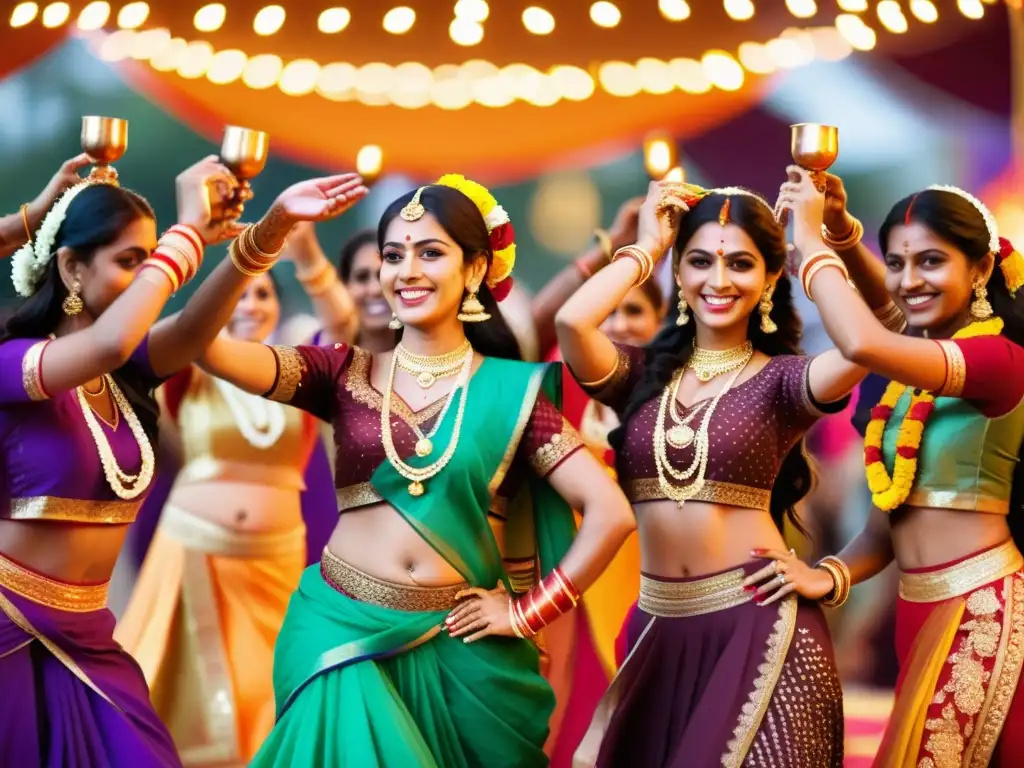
{"points": [[589, 353], [852, 326], [182, 338], [562, 286], [334, 308], [16, 229]]}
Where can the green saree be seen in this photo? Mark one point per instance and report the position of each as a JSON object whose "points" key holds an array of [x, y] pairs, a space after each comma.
{"points": [[363, 685]]}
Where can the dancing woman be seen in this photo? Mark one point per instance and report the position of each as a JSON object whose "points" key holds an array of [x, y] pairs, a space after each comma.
{"points": [[942, 452], [229, 552], [78, 421], [714, 412], [409, 646]]}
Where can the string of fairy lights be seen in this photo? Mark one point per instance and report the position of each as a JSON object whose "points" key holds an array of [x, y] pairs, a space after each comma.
{"points": [[413, 85]]}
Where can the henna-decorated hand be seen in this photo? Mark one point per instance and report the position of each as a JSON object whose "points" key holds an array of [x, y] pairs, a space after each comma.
{"points": [[311, 200], [201, 189], [659, 216]]}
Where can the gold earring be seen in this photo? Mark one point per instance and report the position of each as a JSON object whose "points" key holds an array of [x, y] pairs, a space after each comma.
{"points": [[683, 318], [980, 307], [73, 301], [765, 305], [472, 310], [395, 324]]}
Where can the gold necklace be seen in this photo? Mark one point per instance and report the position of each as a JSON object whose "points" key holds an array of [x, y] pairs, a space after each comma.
{"points": [[418, 475], [124, 485], [681, 434], [98, 392], [429, 368], [701, 440], [709, 363]]}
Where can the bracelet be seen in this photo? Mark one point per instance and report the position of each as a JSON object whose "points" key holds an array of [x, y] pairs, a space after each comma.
{"points": [[892, 317], [847, 241], [24, 220], [178, 255], [814, 263], [552, 597], [247, 256], [641, 257], [840, 574]]}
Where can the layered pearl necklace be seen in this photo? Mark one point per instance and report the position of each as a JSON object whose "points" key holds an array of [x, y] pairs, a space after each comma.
{"points": [[260, 421], [682, 434], [124, 485]]}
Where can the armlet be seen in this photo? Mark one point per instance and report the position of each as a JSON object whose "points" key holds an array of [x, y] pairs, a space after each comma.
{"points": [[32, 371], [555, 449], [609, 385], [956, 369]]}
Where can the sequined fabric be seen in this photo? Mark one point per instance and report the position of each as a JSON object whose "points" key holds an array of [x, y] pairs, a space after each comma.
{"points": [[754, 427]]}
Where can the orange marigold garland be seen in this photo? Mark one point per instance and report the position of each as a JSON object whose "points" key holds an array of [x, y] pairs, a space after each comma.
{"points": [[889, 493]]}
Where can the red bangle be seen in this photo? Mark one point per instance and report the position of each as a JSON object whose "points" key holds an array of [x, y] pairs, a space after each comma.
{"points": [[552, 597]]}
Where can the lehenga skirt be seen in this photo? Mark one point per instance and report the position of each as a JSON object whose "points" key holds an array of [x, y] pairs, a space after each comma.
{"points": [[960, 643], [71, 698], [365, 677], [713, 679], [202, 623]]}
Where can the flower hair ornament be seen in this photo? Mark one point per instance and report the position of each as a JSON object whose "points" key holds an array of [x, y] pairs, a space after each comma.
{"points": [[1009, 258], [29, 263], [499, 228]]}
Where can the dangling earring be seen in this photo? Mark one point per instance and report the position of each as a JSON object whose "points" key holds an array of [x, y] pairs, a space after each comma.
{"points": [[683, 318], [472, 310], [395, 324], [73, 302], [765, 305], [980, 308]]}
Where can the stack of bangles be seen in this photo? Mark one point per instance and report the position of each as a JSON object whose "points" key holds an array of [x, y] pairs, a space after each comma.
{"points": [[178, 255], [543, 604], [847, 241], [320, 281], [817, 261], [641, 257], [840, 574], [247, 256], [892, 317]]}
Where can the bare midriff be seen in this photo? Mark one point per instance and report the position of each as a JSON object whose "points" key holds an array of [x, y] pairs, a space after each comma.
{"points": [[76, 553], [923, 537], [701, 538], [242, 507], [377, 540]]}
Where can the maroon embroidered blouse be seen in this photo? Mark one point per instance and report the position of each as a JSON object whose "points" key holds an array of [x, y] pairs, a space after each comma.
{"points": [[333, 384], [755, 425]]}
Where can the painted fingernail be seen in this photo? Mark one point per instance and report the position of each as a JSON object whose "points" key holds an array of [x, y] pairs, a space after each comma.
{"points": [[757, 551], [750, 588]]}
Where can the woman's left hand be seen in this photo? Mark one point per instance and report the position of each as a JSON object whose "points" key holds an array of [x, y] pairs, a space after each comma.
{"points": [[480, 613], [787, 573], [801, 196], [320, 199]]}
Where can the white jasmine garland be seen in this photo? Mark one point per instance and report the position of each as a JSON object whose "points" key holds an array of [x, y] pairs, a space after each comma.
{"points": [[496, 218], [29, 263], [986, 214]]}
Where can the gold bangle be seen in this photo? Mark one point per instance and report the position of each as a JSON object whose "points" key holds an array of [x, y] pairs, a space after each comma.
{"points": [[819, 265], [242, 263], [892, 318], [24, 219], [847, 241], [320, 285], [641, 257], [840, 576]]}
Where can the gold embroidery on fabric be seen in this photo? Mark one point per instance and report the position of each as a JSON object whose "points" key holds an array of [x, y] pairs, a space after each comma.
{"points": [[74, 510], [75, 598], [357, 382], [673, 599], [31, 374], [764, 685], [368, 589], [961, 578], [963, 697], [713, 492], [607, 388], [522, 574], [1004, 677], [291, 367], [956, 368], [555, 449], [358, 495], [525, 411], [971, 501]]}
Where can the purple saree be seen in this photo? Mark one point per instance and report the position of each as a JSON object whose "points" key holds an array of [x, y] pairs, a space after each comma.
{"points": [[71, 697]]}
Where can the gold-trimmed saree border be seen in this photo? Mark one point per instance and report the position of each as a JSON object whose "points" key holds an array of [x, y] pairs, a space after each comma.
{"points": [[768, 673]]}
